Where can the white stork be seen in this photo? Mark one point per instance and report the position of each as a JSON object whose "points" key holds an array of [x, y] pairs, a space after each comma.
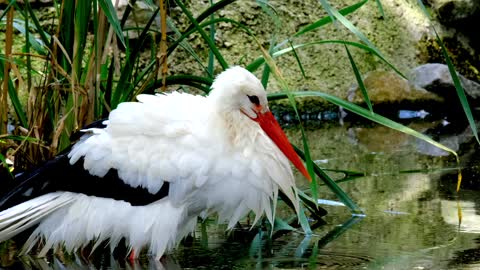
{"points": [[154, 167]]}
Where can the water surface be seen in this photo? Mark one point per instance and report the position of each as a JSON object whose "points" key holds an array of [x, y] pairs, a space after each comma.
{"points": [[414, 219]]}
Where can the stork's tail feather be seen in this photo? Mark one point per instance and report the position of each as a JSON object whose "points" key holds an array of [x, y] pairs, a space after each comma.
{"points": [[16, 219]]}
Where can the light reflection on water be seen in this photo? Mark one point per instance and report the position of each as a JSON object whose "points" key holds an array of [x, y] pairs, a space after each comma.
{"points": [[414, 218]]}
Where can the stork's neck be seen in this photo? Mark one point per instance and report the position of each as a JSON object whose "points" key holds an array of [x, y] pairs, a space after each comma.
{"points": [[235, 129]]}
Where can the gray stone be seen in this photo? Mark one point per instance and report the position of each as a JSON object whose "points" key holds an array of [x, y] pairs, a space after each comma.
{"points": [[436, 78]]}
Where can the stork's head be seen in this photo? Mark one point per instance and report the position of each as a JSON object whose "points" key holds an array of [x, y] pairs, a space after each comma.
{"points": [[238, 90]]}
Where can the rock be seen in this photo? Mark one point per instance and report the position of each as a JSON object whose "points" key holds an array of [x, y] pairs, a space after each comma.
{"points": [[138, 18], [436, 78], [388, 87], [455, 11]]}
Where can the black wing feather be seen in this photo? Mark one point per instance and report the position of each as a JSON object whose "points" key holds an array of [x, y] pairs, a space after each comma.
{"points": [[59, 175]]}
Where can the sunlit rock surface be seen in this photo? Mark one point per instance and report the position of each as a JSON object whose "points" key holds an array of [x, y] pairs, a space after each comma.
{"points": [[389, 87]]}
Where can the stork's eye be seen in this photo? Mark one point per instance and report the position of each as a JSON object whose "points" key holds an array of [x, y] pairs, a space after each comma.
{"points": [[254, 100]]}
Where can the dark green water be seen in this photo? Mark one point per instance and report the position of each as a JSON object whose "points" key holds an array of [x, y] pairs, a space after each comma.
{"points": [[414, 219]]}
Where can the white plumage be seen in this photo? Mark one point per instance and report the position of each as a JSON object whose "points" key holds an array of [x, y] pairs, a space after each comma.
{"points": [[216, 159]]}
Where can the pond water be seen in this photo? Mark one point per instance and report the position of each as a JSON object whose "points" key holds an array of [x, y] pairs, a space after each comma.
{"points": [[414, 218]]}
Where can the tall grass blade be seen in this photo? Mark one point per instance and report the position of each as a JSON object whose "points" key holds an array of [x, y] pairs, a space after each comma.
{"points": [[266, 73], [272, 13], [37, 45], [259, 61], [424, 9], [82, 18], [66, 37], [211, 56], [297, 58], [204, 35], [5, 72], [13, 95], [361, 85], [380, 8], [125, 87], [180, 41], [326, 20], [7, 8], [455, 78], [349, 25], [43, 35], [199, 82], [28, 57], [209, 11], [459, 88], [112, 18], [183, 36]]}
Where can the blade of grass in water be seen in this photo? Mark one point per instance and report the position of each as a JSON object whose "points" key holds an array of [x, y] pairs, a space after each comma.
{"points": [[303, 246], [365, 113], [313, 258], [458, 88], [282, 225], [341, 195], [339, 230], [302, 218], [359, 79]]}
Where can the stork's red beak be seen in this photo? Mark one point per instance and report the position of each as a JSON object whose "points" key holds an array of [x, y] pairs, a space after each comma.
{"points": [[274, 131]]}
